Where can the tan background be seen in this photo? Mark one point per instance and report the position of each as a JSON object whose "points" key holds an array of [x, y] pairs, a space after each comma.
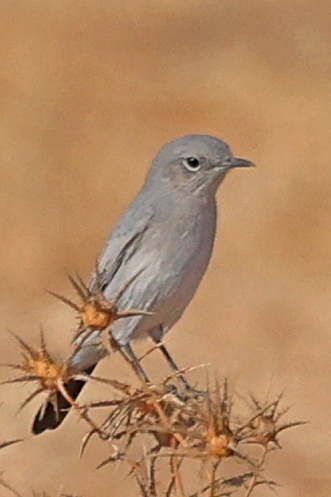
{"points": [[88, 93]]}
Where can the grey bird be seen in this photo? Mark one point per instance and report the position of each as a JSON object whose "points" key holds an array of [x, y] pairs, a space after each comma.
{"points": [[165, 237]]}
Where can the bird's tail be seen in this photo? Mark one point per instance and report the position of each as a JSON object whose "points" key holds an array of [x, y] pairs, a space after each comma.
{"points": [[50, 418]]}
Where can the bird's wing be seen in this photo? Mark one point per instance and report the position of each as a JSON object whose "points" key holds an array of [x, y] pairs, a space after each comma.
{"points": [[122, 243], [112, 263]]}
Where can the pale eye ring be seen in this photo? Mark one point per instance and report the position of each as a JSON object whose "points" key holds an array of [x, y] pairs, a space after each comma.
{"points": [[192, 163]]}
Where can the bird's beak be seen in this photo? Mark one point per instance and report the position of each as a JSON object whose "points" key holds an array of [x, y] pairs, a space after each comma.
{"points": [[236, 162]]}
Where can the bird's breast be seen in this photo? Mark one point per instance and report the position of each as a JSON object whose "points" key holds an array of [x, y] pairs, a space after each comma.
{"points": [[185, 262]]}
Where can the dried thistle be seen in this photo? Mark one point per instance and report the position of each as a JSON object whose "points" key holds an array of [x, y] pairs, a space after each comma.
{"points": [[139, 410], [39, 366], [187, 427], [264, 426], [95, 312], [219, 438]]}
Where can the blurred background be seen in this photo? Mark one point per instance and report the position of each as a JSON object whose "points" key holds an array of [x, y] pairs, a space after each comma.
{"points": [[89, 91]]}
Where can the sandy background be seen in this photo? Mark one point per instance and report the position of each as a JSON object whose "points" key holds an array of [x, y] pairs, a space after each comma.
{"points": [[88, 93]]}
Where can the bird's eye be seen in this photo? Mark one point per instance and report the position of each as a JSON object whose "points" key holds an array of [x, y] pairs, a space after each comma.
{"points": [[192, 163]]}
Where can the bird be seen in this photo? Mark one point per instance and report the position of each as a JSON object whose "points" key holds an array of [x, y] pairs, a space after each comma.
{"points": [[165, 237]]}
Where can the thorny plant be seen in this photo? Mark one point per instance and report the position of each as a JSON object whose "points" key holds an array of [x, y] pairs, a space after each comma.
{"points": [[95, 312], [51, 376], [183, 426], [189, 427], [39, 367]]}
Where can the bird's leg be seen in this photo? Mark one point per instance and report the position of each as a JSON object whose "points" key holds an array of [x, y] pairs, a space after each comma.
{"points": [[172, 363], [131, 356]]}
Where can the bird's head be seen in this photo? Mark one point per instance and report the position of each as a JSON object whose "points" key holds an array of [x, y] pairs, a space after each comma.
{"points": [[194, 163]]}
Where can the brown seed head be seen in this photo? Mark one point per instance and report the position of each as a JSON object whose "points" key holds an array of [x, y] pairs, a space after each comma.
{"points": [[219, 445], [264, 430], [39, 366], [97, 313]]}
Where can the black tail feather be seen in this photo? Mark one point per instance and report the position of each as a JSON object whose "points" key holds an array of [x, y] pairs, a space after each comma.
{"points": [[51, 419]]}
